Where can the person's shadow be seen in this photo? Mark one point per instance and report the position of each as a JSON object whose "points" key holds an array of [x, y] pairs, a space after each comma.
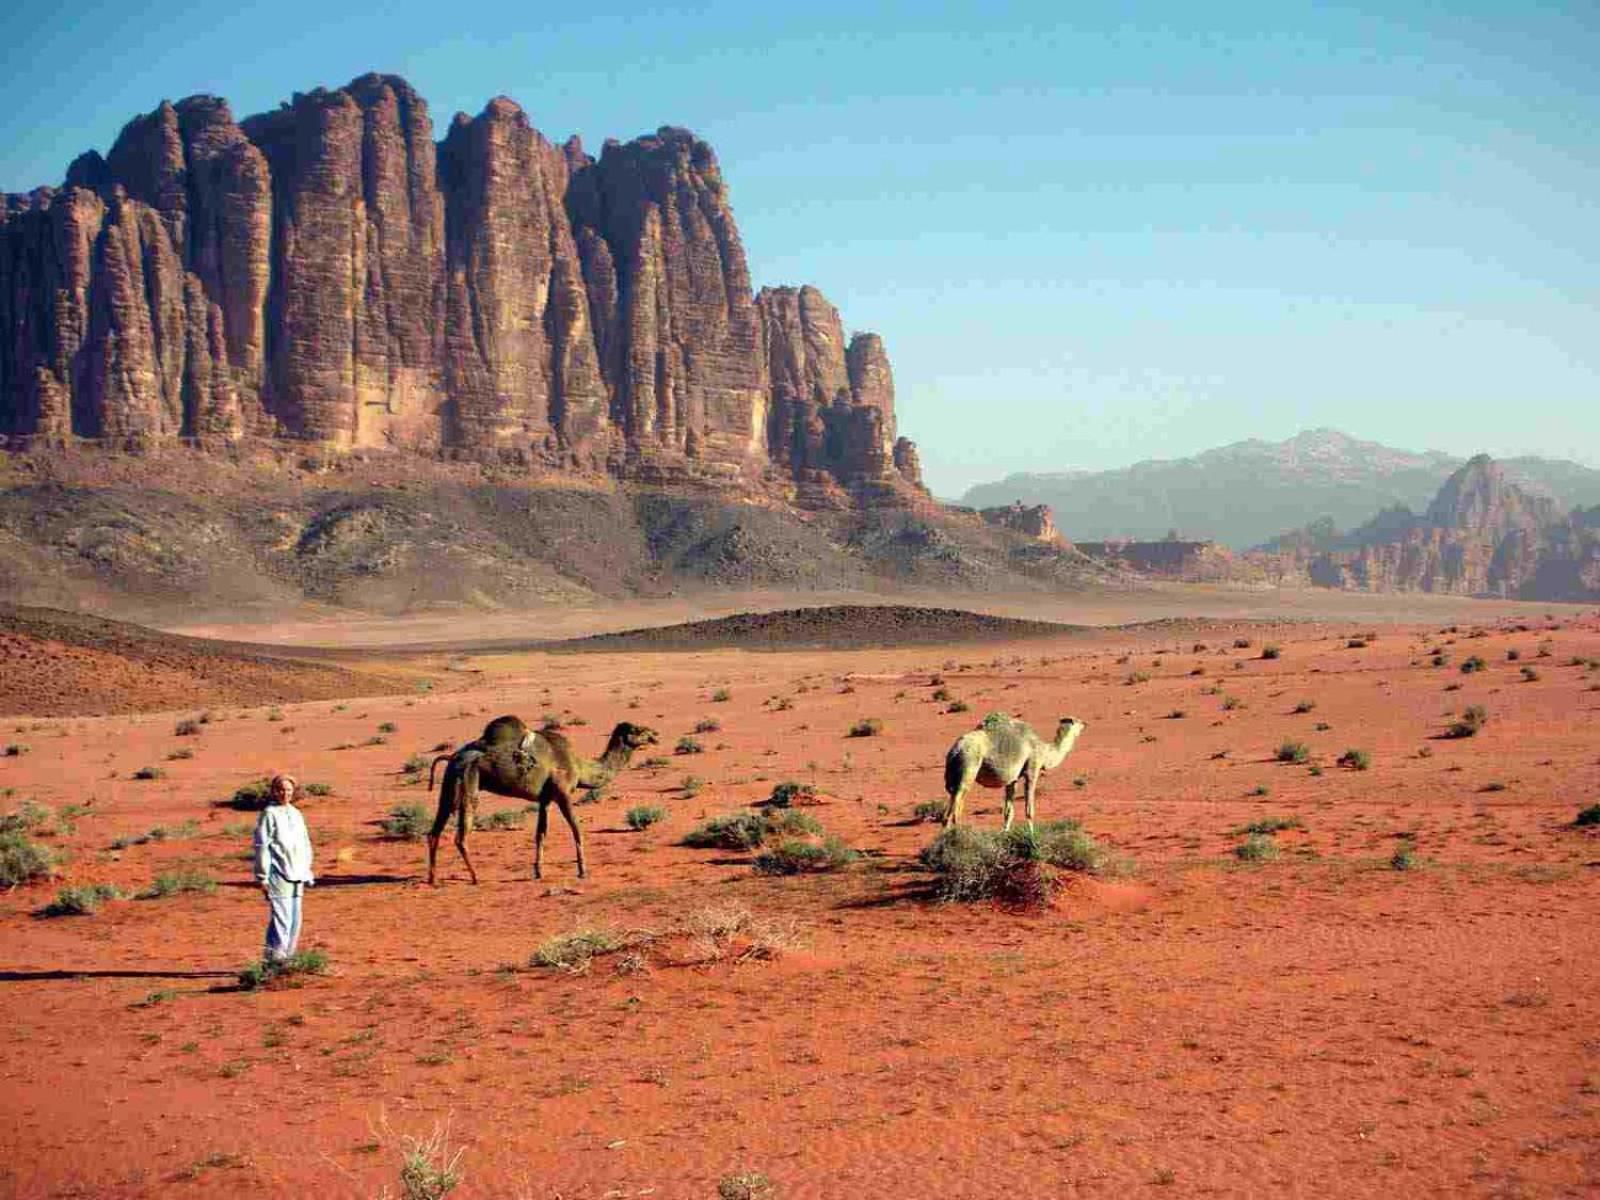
{"points": [[68, 973]]}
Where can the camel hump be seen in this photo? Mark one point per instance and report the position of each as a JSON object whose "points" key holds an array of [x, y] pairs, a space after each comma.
{"points": [[504, 729]]}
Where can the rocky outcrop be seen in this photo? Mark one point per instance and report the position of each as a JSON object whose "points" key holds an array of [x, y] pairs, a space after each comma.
{"points": [[1481, 536], [1170, 558], [1035, 521], [329, 272]]}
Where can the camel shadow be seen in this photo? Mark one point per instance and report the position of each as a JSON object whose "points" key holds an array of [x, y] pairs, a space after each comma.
{"points": [[67, 973], [920, 892]]}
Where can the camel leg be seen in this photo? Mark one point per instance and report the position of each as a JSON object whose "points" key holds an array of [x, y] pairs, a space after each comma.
{"points": [[1030, 785], [538, 838], [564, 803], [969, 774], [465, 811], [449, 799], [1007, 810]]}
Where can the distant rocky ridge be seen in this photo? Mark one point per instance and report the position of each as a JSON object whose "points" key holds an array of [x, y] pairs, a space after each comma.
{"points": [[1245, 493], [330, 272], [1482, 535]]}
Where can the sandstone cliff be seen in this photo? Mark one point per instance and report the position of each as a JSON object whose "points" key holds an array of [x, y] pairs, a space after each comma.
{"points": [[330, 272], [1481, 536]]}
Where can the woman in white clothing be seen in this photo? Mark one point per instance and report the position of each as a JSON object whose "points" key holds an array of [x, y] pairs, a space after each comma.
{"points": [[283, 866]]}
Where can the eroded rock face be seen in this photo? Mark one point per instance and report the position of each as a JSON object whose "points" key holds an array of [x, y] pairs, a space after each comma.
{"points": [[328, 272], [1481, 536]]}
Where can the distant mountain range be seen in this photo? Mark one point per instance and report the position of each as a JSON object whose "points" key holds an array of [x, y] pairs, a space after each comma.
{"points": [[1249, 492], [1481, 535]]}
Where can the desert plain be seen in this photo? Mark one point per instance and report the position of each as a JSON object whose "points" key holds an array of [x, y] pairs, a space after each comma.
{"points": [[1398, 997]]}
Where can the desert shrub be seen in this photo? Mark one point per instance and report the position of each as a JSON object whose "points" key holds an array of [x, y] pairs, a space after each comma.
{"points": [[575, 951], [643, 816], [973, 864], [782, 704], [248, 797], [1261, 789], [940, 694], [721, 696], [1470, 721], [500, 820], [1588, 816], [1356, 643], [655, 762], [416, 764], [17, 749], [1473, 664], [707, 725], [930, 810], [1513, 654], [790, 792], [1241, 643], [958, 706], [1229, 703], [1404, 857], [866, 727], [1357, 760], [691, 786], [1441, 659], [1305, 706], [22, 860], [188, 727], [1256, 848], [183, 752], [1271, 650], [306, 962], [387, 727], [797, 857], [406, 822], [318, 789], [1293, 752], [149, 773], [1496, 785], [792, 820], [735, 831], [1177, 714], [1529, 674], [178, 883], [747, 1185], [687, 745], [81, 901], [1134, 678], [1267, 826]]}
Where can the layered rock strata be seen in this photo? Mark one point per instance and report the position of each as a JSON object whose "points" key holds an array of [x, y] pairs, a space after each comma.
{"points": [[330, 272]]}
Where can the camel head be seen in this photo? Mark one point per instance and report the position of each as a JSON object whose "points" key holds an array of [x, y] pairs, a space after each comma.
{"points": [[1069, 730], [632, 737]]}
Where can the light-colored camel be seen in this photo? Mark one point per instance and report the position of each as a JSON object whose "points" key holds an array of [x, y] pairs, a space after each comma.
{"points": [[997, 754], [539, 766]]}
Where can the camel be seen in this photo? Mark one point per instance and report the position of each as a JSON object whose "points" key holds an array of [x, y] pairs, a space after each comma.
{"points": [[998, 753], [539, 766]]}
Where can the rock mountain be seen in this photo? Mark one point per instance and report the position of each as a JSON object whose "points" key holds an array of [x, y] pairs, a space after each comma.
{"points": [[332, 272], [1482, 535], [1245, 493]]}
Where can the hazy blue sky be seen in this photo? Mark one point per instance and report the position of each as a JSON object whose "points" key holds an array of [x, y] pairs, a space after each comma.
{"points": [[1137, 231]]}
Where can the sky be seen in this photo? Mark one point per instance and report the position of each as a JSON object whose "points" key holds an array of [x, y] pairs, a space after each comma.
{"points": [[1134, 231]]}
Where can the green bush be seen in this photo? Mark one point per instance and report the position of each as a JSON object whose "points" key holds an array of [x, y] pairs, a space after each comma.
{"points": [[796, 857], [1267, 826], [1473, 664], [81, 901], [318, 789], [574, 951], [1305, 706], [1256, 848], [974, 864], [149, 773], [249, 797], [866, 727], [178, 883], [500, 820], [1270, 650], [22, 860], [1293, 752], [1529, 674], [1404, 857], [643, 816], [789, 793], [736, 831], [183, 752], [1588, 816], [958, 706], [188, 727], [930, 810], [306, 962], [1470, 721], [708, 725], [721, 696], [792, 820], [687, 745], [407, 822], [1356, 760]]}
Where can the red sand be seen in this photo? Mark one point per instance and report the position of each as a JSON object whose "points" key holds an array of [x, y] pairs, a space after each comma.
{"points": [[1318, 1025]]}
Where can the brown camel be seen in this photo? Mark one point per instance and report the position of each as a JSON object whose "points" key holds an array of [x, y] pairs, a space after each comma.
{"points": [[539, 766]]}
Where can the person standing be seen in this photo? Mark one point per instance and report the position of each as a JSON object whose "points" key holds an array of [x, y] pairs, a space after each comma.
{"points": [[282, 866]]}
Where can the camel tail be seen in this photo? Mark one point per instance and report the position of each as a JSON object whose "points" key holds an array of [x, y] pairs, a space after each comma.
{"points": [[443, 758]]}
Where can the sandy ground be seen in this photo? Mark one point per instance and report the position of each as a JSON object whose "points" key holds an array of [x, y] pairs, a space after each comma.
{"points": [[1317, 1025]]}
